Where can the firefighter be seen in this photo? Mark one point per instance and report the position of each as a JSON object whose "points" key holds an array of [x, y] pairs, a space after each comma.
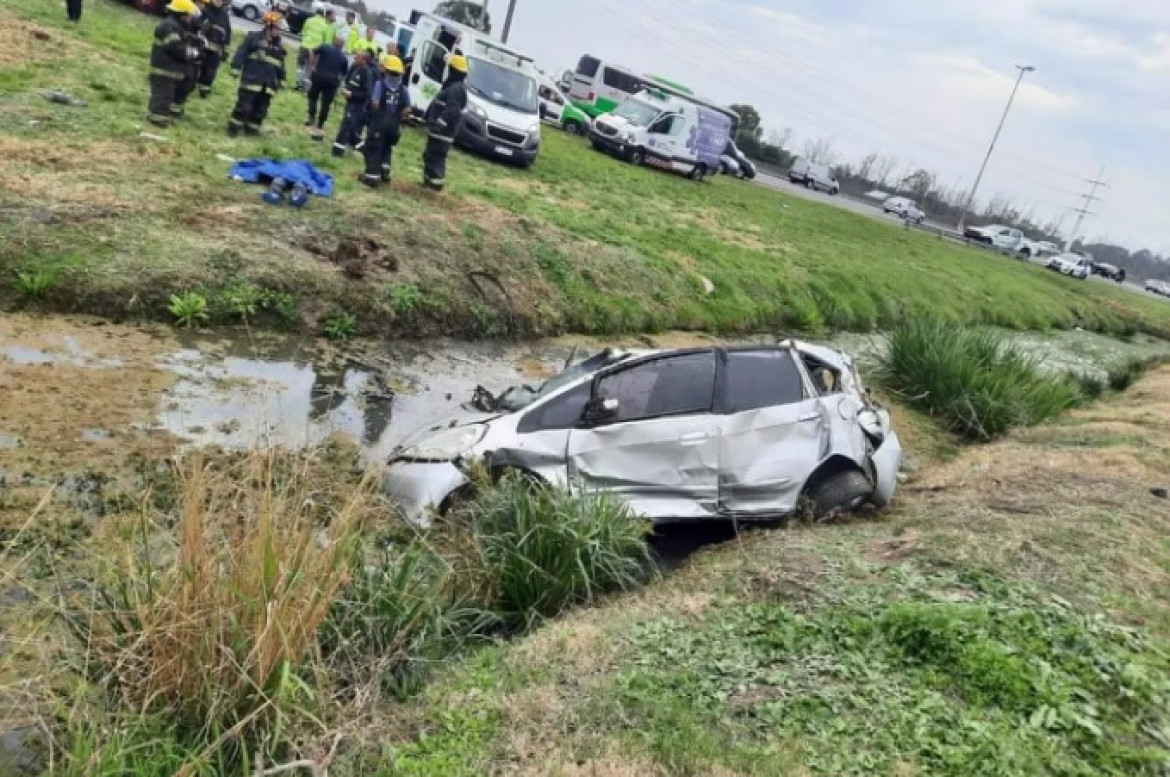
{"points": [[444, 117], [193, 38], [170, 57], [389, 102], [216, 27], [356, 91], [260, 62]]}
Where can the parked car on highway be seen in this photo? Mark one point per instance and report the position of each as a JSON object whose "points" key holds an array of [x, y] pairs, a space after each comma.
{"points": [[147, 6], [1158, 287], [996, 236], [735, 163], [1106, 270], [813, 175], [1073, 265], [905, 208], [251, 10], [745, 433]]}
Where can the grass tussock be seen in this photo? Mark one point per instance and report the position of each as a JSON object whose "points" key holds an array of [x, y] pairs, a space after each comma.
{"points": [[212, 634], [972, 378]]}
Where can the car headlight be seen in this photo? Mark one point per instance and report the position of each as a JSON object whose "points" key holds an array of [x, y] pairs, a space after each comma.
{"points": [[447, 444], [534, 129], [477, 112], [629, 136]]}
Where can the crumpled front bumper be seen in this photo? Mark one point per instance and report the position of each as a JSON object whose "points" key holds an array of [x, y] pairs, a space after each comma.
{"points": [[418, 488], [887, 461]]}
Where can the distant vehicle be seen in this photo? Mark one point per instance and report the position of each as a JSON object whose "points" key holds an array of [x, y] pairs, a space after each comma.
{"points": [[251, 10], [747, 433], [735, 163], [996, 236], [503, 107], [904, 208], [147, 6], [1106, 270], [565, 82], [599, 87], [664, 131], [1070, 264], [295, 15], [556, 109], [813, 175], [1161, 288]]}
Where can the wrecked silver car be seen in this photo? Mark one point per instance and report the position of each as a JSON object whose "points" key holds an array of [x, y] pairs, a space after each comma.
{"points": [[742, 433]]}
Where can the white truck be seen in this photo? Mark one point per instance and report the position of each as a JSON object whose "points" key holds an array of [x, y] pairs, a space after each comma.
{"points": [[1070, 264], [503, 106], [1010, 240], [666, 131]]}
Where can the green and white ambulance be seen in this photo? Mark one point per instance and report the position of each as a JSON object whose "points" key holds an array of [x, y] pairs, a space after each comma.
{"points": [[599, 87]]}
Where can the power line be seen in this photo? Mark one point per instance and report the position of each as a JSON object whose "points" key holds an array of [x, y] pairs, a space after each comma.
{"points": [[1089, 199]]}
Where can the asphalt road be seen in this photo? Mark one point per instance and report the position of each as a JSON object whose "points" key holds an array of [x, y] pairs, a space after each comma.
{"points": [[874, 211]]}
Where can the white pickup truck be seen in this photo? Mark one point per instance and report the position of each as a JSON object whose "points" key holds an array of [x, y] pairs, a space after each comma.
{"points": [[1070, 264], [1010, 240]]}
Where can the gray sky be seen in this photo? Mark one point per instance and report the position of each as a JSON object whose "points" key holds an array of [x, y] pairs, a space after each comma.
{"points": [[922, 80]]}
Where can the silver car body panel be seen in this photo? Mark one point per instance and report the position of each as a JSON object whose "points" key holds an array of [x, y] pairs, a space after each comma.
{"points": [[750, 465]]}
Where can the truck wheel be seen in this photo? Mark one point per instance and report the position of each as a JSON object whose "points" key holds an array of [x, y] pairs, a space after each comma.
{"points": [[251, 13], [840, 493], [574, 128], [637, 157], [699, 173]]}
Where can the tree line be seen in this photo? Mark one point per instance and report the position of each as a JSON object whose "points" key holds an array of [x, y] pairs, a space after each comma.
{"points": [[940, 201]]}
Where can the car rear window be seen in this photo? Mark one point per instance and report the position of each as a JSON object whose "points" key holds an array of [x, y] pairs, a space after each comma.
{"points": [[758, 379], [588, 66]]}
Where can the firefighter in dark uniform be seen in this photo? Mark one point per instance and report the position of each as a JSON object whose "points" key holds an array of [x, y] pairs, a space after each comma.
{"points": [[356, 89], [170, 58], [389, 102], [193, 38], [260, 62], [443, 119], [216, 28]]}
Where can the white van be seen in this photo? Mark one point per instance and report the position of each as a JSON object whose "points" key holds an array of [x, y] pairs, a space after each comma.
{"points": [[661, 130], [813, 175], [503, 109]]}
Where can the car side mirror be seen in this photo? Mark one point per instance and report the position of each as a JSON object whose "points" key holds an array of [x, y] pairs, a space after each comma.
{"points": [[599, 409]]}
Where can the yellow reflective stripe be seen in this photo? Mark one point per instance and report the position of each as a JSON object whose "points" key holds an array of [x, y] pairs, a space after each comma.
{"points": [[174, 36], [262, 57], [252, 87], [158, 71]]}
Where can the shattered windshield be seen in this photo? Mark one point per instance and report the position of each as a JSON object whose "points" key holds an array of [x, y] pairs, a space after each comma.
{"points": [[519, 397], [637, 112]]}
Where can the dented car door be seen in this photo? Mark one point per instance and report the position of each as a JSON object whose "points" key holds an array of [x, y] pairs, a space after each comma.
{"points": [[773, 432], [660, 449]]}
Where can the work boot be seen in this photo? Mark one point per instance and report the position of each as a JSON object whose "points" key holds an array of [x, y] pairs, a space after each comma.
{"points": [[316, 134], [434, 186], [338, 150], [386, 173], [204, 92], [371, 181], [233, 131]]}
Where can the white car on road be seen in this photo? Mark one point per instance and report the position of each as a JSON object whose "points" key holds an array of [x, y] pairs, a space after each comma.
{"points": [[904, 208], [1073, 265], [1158, 287]]}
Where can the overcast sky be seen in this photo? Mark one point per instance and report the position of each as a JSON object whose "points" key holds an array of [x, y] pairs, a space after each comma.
{"points": [[921, 80]]}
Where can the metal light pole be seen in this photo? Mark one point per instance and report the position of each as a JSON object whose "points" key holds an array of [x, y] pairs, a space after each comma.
{"points": [[979, 178], [508, 21]]}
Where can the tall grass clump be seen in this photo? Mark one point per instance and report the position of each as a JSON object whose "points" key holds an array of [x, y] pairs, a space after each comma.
{"points": [[541, 549], [401, 614], [211, 633], [972, 378]]}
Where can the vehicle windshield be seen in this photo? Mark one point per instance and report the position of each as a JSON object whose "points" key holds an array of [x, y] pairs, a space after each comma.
{"points": [[637, 112], [519, 397], [508, 88]]}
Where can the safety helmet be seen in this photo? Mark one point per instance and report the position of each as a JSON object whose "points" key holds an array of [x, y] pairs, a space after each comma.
{"points": [[270, 18], [392, 64], [182, 6], [457, 62]]}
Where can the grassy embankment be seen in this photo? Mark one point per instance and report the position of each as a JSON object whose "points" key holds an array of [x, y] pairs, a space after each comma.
{"points": [[112, 223]]}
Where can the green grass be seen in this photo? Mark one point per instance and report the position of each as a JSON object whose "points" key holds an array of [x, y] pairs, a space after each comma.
{"points": [[974, 380], [578, 243]]}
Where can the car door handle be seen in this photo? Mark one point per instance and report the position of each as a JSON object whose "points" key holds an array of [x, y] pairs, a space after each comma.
{"points": [[809, 417], [693, 438]]}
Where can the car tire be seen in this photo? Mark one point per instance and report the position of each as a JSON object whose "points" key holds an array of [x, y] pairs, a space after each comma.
{"points": [[698, 174], [251, 13], [574, 128], [638, 157], [808, 184], [839, 493]]}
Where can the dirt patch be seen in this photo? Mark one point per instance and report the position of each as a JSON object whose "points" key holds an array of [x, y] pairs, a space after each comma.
{"points": [[22, 43], [534, 369], [356, 257]]}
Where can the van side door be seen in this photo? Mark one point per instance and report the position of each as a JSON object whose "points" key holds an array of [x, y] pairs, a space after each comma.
{"points": [[430, 64]]}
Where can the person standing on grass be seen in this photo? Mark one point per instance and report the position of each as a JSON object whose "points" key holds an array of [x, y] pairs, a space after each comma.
{"points": [[356, 91], [193, 37], [330, 65], [170, 58], [260, 62], [314, 34], [216, 29], [443, 119], [73, 9], [389, 102]]}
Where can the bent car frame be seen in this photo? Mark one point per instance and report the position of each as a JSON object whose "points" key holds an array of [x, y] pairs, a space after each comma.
{"points": [[743, 433]]}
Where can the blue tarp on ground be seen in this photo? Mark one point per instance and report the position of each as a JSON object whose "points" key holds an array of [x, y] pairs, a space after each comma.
{"points": [[294, 171]]}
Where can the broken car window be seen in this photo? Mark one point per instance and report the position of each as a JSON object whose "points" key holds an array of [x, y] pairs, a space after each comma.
{"points": [[520, 397], [758, 379], [672, 386], [824, 378]]}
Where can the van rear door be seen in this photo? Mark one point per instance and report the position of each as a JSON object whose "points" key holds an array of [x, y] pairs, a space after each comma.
{"points": [[582, 88]]}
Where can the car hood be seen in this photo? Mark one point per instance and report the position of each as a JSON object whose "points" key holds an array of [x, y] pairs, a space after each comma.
{"points": [[464, 416]]}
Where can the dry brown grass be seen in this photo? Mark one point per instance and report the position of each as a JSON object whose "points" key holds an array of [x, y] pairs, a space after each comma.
{"points": [[214, 637]]}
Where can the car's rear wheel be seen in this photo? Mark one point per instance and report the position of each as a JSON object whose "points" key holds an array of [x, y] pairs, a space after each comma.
{"points": [[251, 13], [637, 157], [699, 173], [574, 128], [839, 493]]}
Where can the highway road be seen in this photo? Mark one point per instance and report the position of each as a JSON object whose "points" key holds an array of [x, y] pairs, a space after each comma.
{"points": [[874, 211]]}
